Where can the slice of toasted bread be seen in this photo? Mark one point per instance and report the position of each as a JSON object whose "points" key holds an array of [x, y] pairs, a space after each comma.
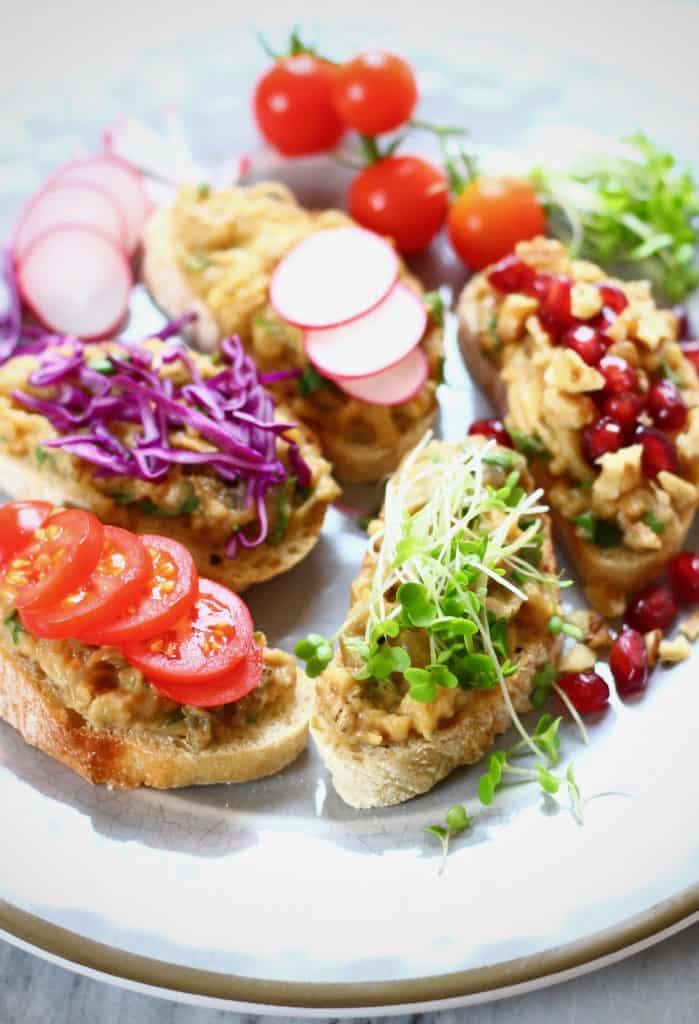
{"points": [[382, 773], [126, 758], [609, 575], [363, 442]]}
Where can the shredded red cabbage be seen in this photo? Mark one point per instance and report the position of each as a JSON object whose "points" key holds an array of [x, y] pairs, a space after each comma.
{"points": [[231, 410]]}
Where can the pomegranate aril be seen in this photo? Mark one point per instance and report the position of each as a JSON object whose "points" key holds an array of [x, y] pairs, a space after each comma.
{"points": [[666, 405], [659, 452], [628, 661], [624, 409], [539, 288], [613, 297], [601, 437], [494, 429], [587, 342], [682, 322], [512, 274], [654, 608], [683, 572], [586, 691], [618, 375], [554, 309]]}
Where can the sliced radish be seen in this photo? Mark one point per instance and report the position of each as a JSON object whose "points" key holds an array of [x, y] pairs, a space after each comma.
{"points": [[371, 343], [332, 277], [122, 183], [76, 281], [399, 383], [70, 203]]}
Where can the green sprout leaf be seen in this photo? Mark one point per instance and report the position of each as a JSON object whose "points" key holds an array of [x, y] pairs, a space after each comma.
{"points": [[549, 782], [316, 651], [416, 605], [574, 796]]}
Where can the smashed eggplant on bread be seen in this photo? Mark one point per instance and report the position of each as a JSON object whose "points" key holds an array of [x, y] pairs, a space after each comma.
{"points": [[448, 626], [160, 440], [215, 253], [119, 660], [595, 389]]}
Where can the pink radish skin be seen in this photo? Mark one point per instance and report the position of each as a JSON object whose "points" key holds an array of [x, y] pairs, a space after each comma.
{"points": [[372, 343], [76, 281], [398, 384], [63, 204], [332, 277], [124, 185]]}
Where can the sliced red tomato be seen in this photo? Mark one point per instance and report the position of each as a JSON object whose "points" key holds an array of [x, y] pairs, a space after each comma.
{"points": [[120, 576], [168, 595], [60, 559], [18, 521], [238, 683], [204, 645]]}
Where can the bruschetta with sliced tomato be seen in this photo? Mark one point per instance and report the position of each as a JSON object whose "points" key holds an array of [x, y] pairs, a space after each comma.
{"points": [[119, 660], [320, 303]]}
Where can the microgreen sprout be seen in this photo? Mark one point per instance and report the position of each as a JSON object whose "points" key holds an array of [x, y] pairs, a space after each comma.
{"points": [[558, 625], [574, 797], [457, 821]]}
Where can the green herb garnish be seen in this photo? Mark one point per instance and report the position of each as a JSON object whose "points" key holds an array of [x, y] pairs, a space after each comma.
{"points": [[197, 262], [310, 381], [635, 214], [203, 190], [14, 625], [281, 523], [558, 625], [41, 455], [530, 445], [103, 365], [457, 821], [605, 533], [654, 523], [434, 304]]}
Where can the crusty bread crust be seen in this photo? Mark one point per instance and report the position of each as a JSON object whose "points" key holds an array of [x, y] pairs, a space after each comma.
{"points": [[125, 759], [353, 462], [21, 479], [609, 576]]}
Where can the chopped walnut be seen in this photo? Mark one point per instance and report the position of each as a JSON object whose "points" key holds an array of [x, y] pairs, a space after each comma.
{"points": [[653, 639], [626, 350], [544, 254], [574, 411], [585, 300], [682, 492], [513, 315], [578, 658], [568, 372], [689, 626], [569, 501], [688, 440], [594, 626], [675, 650], [655, 327], [583, 270], [640, 537], [541, 337], [620, 472]]}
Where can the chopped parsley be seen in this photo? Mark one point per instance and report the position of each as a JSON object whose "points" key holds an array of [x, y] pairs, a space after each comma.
{"points": [[654, 523], [14, 625], [310, 381], [604, 533]]}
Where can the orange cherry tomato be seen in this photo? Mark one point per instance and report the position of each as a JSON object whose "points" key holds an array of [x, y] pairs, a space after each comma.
{"points": [[18, 521], [118, 578], [402, 197], [241, 680], [204, 645], [169, 594], [294, 108], [60, 559], [490, 216], [375, 92]]}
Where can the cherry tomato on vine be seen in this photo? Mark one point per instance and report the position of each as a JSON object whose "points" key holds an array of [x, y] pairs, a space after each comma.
{"points": [[375, 92], [294, 107], [490, 216], [403, 197]]}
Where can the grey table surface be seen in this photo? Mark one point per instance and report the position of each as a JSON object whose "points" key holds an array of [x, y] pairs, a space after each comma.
{"points": [[658, 986]]}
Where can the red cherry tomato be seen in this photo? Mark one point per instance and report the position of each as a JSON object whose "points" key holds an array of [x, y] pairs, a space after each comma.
{"points": [[119, 577], [235, 684], [18, 521], [169, 594], [403, 197], [204, 645], [375, 92], [294, 107], [60, 559], [490, 216]]}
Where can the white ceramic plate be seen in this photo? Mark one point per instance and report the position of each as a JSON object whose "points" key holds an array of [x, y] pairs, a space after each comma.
{"points": [[275, 895]]}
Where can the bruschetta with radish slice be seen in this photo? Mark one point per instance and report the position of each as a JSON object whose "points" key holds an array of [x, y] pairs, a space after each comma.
{"points": [[118, 660], [318, 301], [156, 439], [596, 391], [449, 624]]}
